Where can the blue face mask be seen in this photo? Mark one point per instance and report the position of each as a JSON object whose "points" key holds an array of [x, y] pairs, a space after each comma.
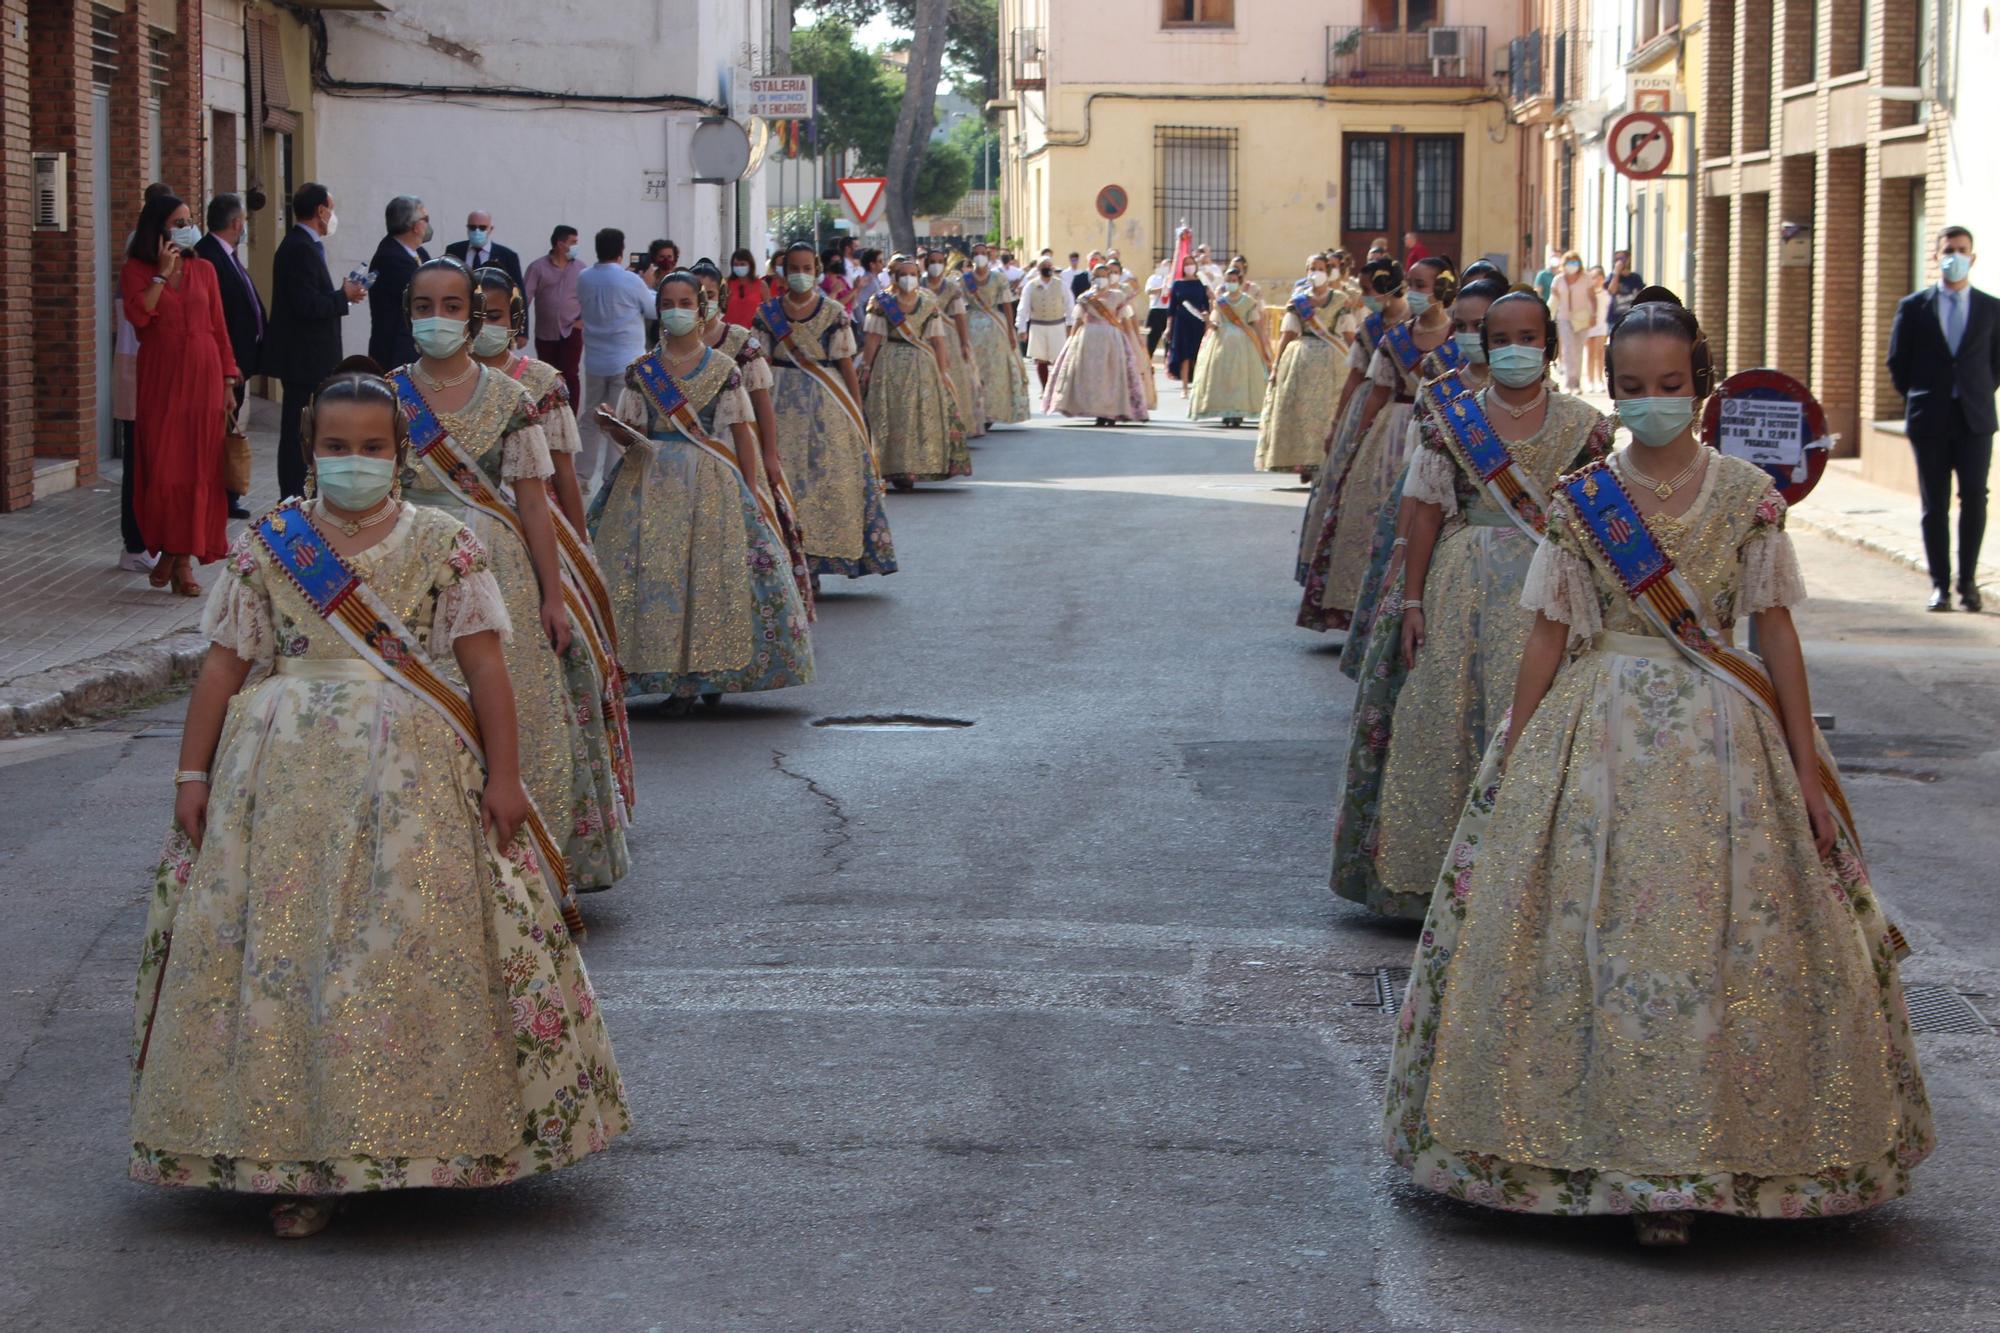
{"points": [[1656, 421], [437, 336], [354, 482], [477, 237], [1516, 366], [679, 321], [1419, 302], [1469, 348], [1955, 266], [1374, 304]]}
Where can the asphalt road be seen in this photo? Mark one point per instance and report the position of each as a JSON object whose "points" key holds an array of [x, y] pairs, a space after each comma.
{"points": [[1043, 1022]]}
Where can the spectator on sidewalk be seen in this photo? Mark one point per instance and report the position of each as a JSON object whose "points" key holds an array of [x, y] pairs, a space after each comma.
{"points": [[186, 373], [124, 407], [395, 263], [1944, 357], [479, 250], [743, 291], [1575, 309], [833, 276], [549, 289], [662, 258], [1625, 285], [869, 285], [1413, 250], [302, 338], [615, 302], [242, 308]]}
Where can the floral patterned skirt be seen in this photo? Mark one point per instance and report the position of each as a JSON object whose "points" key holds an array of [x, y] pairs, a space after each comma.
{"points": [[1355, 828], [961, 378], [1098, 375], [1291, 435], [1340, 563], [1001, 374], [1335, 449], [700, 584], [593, 842], [1699, 1013], [832, 476], [349, 988], [913, 419], [1229, 376]]}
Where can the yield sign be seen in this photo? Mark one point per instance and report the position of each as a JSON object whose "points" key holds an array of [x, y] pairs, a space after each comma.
{"points": [[862, 195]]}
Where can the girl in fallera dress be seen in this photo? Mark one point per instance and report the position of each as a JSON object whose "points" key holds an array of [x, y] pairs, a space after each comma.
{"points": [[1306, 379], [1382, 300], [483, 418], [913, 418], [1128, 284], [989, 305], [1099, 374], [1654, 979], [1376, 458], [289, 1041], [961, 371], [1375, 641], [1234, 365], [601, 799], [822, 435], [1463, 628], [698, 572]]}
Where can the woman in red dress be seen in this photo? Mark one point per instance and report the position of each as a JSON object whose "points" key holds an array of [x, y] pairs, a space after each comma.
{"points": [[185, 373], [744, 291]]}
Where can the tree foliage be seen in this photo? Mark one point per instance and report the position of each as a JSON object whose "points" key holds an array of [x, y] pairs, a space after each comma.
{"points": [[972, 36], [857, 95], [942, 180]]}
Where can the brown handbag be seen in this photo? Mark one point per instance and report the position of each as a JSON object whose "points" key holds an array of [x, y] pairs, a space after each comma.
{"points": [[235, 456]]}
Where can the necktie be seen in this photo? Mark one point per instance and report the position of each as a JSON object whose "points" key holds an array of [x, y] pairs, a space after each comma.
{"points": [[1954, 322], [256, 306]]}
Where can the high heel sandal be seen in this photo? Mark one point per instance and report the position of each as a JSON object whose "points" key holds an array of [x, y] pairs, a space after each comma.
{"points": [[184, 580], [1663, 1228], [296, 1219], [162, 570]]}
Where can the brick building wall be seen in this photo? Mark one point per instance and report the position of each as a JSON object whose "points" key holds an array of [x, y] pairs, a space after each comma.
{"points": [[63, 280]]}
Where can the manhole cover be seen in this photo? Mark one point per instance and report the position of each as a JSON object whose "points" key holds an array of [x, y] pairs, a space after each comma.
{"points": [[893, 722], [1932, 1008]]}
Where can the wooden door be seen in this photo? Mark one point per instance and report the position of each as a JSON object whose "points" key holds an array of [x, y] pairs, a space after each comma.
{"points": [[1396, 183]]}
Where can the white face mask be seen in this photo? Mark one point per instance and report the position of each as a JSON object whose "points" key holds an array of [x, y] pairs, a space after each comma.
{"points": [[934, 270], [1320, 278], [907, 281], [1100, 281], [493, 339], [981, 261], [332, 222], [1232, 287]]}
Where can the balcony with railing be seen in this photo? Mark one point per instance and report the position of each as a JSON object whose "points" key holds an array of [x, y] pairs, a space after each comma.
{"points": [[1392, 58], [1028, 59], [1524, 67]]}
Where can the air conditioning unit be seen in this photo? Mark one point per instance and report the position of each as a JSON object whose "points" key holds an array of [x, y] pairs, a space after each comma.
{"points": [[1445, 43], [51, 191]]}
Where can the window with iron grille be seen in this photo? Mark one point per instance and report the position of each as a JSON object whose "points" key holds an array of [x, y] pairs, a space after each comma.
{"points": [[103, 47], [1565, 189], [1437, 184], [1194, 174], [159, 63], [1367, 192]]}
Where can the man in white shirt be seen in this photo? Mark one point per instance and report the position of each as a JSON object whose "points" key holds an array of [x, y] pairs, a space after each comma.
{"points": [[1158, 285], [1043, 314], [616, 304]]}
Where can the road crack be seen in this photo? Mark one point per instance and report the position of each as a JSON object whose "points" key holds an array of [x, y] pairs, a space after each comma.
{"points": [[839, 827]]}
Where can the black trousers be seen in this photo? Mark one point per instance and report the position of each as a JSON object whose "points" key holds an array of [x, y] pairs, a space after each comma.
{"points": [[1939, 457], [291, 453], [126, 435], [1156, 328]]}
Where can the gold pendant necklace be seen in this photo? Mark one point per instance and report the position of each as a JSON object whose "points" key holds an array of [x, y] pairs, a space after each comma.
{"points": [[1665, 489], [1541, 396], [379, 515], [435, 383]]}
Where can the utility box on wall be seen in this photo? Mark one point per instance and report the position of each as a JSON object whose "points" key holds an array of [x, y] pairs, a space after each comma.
{"points": [[51, 191]]}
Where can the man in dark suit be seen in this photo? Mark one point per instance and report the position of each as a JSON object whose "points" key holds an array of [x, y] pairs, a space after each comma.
{"points": [[302, 336], [242, 307], [1944, 357], [395, 263], [479, 250]]}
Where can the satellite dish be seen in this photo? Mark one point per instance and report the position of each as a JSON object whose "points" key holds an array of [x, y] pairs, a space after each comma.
{"points": [[719, 151]]}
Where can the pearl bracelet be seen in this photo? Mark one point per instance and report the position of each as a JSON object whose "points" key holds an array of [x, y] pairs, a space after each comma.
{"points": [[186, 775], [1413, 603]]}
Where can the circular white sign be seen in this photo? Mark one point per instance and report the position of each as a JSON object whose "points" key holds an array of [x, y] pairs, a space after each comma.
{"points": [[719, 150]]}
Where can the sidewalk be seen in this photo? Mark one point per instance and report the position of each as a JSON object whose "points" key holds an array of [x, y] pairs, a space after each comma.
{"points": [[78, 635]]}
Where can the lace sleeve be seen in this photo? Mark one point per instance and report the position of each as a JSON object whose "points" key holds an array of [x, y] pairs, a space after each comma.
{"points": [[1433, 477], [756, 373], [732, 408], [238, 613], [1771, 576], [632, 409], [1357, 354], [525, 453], [1559, 584], [875, 324], [1292, 324], [469, 598], [841, 342], [1383, 369], [559, 428]]}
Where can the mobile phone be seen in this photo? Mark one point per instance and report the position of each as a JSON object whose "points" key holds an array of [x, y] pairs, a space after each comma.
{"points": [[640, 259]]}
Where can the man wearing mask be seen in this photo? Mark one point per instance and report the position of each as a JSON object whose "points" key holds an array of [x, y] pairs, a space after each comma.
{"points": [[616, 305], [1043, 315], [302, 337], [242, 308], [408, 223], [1625, 286], [1079, 281], [479, 250], [550, 293], [1944, 357]]}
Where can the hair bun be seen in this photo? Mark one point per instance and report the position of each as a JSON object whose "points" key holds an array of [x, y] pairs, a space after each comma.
{"points": [[1657, 294], [357, 365]]}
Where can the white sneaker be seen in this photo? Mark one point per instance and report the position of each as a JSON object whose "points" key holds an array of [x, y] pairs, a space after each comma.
{"points": [[138, 562]]}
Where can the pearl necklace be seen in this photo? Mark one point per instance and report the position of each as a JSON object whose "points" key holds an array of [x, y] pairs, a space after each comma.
{"points": [[434, 382], [1541, 396], [388, 508], [1665, 489]]}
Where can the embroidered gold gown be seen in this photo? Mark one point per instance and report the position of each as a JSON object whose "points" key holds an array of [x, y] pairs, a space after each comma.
{"points": [[1229, 375], [961, 376], [828, 459], [746, 347], [593, 841], [350, 987], [1291, 434], [1100, 373], [498, 432], [913, 418], [1475, 631], [1334, 451], [1002, 377], [1639, 988], [699, 577]]}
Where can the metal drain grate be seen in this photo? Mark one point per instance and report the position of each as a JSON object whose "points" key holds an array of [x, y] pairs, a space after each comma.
{"points": [[1933, 1008], [892, 722]]}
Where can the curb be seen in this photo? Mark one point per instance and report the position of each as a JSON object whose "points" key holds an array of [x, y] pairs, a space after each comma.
{"points": [[65, 695], [1891, 552]]}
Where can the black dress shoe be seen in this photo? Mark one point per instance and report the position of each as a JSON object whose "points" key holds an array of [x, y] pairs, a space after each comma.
{"points": [[1940, 600], [1968, 597], [238, 511]]}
